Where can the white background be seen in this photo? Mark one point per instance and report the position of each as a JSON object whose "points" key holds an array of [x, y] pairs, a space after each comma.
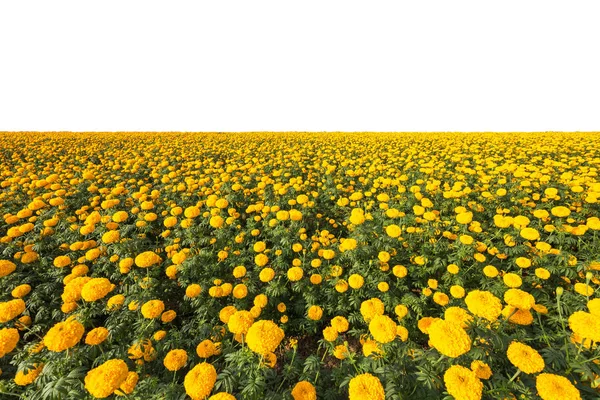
{"points": [[305, 65]]}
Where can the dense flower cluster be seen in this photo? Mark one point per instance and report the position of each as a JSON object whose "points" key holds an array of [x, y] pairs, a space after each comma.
{"points": [[300, 265]]}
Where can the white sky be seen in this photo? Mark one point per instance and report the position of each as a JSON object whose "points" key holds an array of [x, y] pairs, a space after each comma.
{"points": [[311, 65]]}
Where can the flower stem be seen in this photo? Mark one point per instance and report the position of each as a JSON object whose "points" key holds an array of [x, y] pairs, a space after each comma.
{"points": [[515, 376]]}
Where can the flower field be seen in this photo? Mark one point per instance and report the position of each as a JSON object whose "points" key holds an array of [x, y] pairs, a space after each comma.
{"points": [[300, 266]]}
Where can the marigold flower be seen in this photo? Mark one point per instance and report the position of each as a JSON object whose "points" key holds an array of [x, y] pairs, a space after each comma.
{"points": [[147, 259], [294, 274], [304, 390], [370, 308], [264, 336], [153, 308], [96, 289], [585, 325], [484, 304], [222, 396], [382, 328], [519, 299], [525, 358], [103, 380], [449, 338], [240, 322], [556, 387], [128, 384], [340, 324], [175, 359], [6, 268], [64, 335], [9, 337], [200, 380], [462, 383], [23, 378], [315, 313], [366, 386], [9, 310], [481, 369], [96, 336]]}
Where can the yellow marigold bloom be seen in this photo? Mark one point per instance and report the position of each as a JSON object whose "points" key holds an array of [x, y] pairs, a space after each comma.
{"points": [[9, 337], [147, 259], [330, 334], [441, 299], [96, 336], [200, 380], [560, 211], [25, 378], [517, 316], [383, 256], [401, 311], [193, 290], [168, 316], [356, 281], [382, 328], [512, 280], [529, 234], [266, 275], [484, 304], [542, 273], [226, 313], [261, 260], [594, 306], [525, 358], [159, 335], [96, 289], [264, 336], [315, 313], [103, 380], [370, 308], [366, 386], [259, 247], [453, 269], [371, 347], [340, 352], [9, 310], [462, 383], [458, 292], [61, 261], [481, 369], [583, 289], [556, 387], [115, 302], [153, 309], [458, 315], [393, 231], [240, 322], [120, 216], [21, 291], [304, 390], [216, 221], [111, 237], [175, 359], [340, 324], [464, 218], [222, 396], [72, 291], [64, 335], [294, 274], [206, 349], [449, 338], [490, 271], [585, 325], [128, 384], [523, 262], [6, 268], [425, 323], [519, 299]]}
